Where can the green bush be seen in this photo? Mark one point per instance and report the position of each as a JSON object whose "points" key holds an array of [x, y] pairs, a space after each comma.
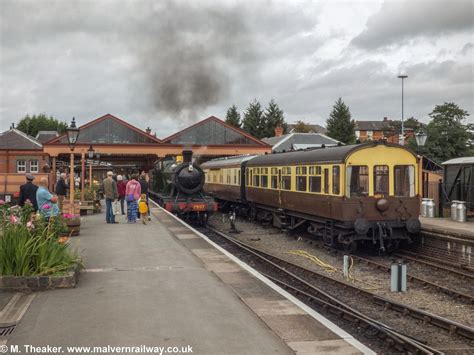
{"points": [[29, 245]]}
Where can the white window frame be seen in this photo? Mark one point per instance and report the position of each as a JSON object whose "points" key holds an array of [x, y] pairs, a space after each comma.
{"points": [[21, 166], [34, 164], [370, 135]]}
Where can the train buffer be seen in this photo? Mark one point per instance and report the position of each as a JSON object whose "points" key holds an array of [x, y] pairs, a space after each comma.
{"points": [[163, 284]]}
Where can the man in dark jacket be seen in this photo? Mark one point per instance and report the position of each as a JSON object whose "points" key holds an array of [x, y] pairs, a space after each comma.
{"points": [[28, 192], [61, 190]]}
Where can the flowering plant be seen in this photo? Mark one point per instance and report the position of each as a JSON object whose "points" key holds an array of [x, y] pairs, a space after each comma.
{"points": [[29, 243], [69, 215]]}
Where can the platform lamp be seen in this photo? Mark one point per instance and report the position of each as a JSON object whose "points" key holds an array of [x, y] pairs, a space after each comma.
{"points": [[72, 135], [90, 154], [420, 138]]}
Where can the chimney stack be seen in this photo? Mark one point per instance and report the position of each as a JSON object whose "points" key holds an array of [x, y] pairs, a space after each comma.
{"points": [[148, 130], [278, 131], [385, 119]]}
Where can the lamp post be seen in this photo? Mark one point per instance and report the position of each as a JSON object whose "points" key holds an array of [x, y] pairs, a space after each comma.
{"points": [[90, 154], [402, 140], [72, 136], [420, 138]]}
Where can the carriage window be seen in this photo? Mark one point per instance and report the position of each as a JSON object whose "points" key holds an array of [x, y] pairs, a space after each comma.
{"points": [[358, 179], [326, 181], [404, 176], [238, 177], [248, 177], [336, 180], [286, 178], [256, 178], [381, 180], [315, 181], [301, 178], [264, 179]]}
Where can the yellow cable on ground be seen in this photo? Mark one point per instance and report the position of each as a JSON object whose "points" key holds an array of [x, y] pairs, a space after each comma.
{"points": [[314, 259], [331, 268]]}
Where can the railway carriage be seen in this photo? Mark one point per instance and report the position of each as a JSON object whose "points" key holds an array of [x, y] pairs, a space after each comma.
{"points": [[347, 195]]}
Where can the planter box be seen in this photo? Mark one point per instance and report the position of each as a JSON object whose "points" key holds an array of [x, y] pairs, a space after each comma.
{"points": [[39, 283]]}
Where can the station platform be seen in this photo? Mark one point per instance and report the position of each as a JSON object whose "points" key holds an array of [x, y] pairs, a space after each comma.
{"points": [[165, 285], [448, 227]]}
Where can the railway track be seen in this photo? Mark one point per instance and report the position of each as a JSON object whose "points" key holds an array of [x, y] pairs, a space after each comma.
{"points": [[299, 284], [418, 280], [461, 270]]}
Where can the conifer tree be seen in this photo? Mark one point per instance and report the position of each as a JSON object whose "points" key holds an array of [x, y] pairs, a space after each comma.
{"points": [[233, 117], [339, 125], [253, 122], [273, 118]]}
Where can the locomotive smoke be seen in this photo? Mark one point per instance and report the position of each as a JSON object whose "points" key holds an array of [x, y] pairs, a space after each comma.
{"points": [[188, 55]]}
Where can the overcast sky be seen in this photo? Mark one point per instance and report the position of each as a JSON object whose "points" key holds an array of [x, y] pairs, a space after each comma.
{"points": [[168, 64]]}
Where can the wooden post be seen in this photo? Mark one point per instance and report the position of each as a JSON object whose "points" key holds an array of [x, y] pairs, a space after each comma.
{"points": [[71, 183], [441, 199], [90, 173], [83, 174], [54, 173]]}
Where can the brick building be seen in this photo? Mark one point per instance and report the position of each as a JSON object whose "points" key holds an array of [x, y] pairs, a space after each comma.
{"points": [[378, 130], [19, 154]]}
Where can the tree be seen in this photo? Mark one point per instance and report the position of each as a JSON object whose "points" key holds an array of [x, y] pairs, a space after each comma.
{"points": [[302, 127], [273, 118], [253, 122], [233, 117], [447, 135], [33, 124], [395, 127], [339, 125]]}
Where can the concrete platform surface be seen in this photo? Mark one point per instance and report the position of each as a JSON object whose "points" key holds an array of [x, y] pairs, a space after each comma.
{"points": [[163, 285], [448, 227]]}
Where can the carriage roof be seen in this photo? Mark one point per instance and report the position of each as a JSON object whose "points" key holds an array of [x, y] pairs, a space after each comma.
{"points": [[336, 154]]}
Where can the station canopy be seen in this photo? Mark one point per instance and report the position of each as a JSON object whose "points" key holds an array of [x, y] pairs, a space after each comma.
{"points": [[111, 130], [212, 131]]}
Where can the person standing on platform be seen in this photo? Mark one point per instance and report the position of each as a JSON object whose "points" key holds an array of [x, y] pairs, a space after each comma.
{"points": [[110, 194], [144, 187], [47, 202], [28, 192], [132, 194], [61, 190], [121, 187], [143, 208]]}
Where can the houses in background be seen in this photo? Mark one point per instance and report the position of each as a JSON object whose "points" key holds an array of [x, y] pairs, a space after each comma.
{"points": [[377, 130]]}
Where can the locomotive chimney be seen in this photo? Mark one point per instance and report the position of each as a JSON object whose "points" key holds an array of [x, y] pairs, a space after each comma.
{"points": [[278, 131], [187, 156]]}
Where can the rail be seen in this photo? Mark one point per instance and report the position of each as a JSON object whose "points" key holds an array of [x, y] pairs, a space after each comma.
{"points": [[330, 302]]}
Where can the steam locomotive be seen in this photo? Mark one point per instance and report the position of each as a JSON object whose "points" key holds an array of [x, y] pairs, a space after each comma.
{"points": [[178, 188], [349, 196]]}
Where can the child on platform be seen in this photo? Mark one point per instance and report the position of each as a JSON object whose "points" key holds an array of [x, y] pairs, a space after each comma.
{"points": [[143, 208]]}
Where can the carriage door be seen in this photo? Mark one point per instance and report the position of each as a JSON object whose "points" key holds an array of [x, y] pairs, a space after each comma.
{"points": [[326, 181], [279, 186]]}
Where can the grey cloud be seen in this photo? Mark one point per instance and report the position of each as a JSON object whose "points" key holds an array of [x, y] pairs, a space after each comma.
{"points": [[399, 21]]}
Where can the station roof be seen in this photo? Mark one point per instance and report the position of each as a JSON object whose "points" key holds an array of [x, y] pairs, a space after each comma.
{"points": [[295, 141], [460, 161], [14, 139], [109, 129], [213, 131], [45, 136]]}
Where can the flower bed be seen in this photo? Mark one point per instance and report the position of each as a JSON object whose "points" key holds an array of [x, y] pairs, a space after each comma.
{"points": [[30, 253]]}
